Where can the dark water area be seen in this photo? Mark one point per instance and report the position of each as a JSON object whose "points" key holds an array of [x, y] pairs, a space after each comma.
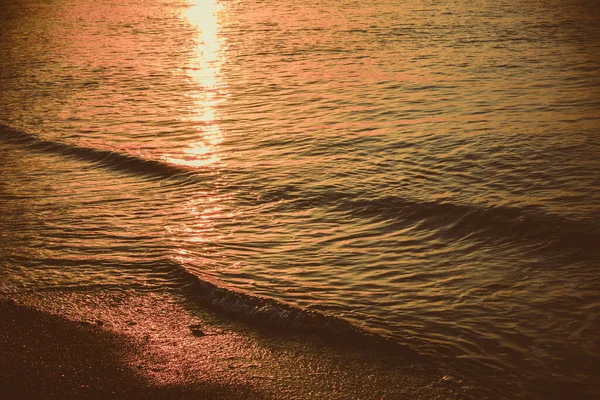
{"points": [[420, 174]]}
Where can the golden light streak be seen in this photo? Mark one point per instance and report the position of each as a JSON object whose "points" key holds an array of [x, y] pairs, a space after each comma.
{"points": [[204, 73]]}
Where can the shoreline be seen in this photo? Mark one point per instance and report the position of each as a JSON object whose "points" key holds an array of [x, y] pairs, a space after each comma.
{"points": [[132, 345], [96, 345]]}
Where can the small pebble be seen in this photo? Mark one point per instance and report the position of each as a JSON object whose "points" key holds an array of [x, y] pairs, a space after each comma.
{"points": [[197, 331]]}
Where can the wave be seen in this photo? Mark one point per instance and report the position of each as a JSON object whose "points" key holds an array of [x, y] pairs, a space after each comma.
{"points": [[451, 220], [462, 216], [269, 314], [119, 162], [461, 220], [263, 313]]}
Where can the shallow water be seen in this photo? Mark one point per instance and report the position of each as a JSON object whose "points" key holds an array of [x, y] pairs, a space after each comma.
{"points": [[425, 171]]}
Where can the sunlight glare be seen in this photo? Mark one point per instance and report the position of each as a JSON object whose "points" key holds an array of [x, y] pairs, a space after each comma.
{"points": [[204, 73]]}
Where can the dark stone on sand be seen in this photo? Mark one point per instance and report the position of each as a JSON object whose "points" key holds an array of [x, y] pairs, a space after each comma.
{"points": [[197, 330]]}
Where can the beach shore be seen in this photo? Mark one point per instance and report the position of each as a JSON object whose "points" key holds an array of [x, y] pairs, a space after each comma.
{"points": [[46, 356], [117, 345]]}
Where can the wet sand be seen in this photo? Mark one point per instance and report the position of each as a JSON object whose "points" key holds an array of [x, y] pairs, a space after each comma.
{"points": [[45, 356], [117, 345]]}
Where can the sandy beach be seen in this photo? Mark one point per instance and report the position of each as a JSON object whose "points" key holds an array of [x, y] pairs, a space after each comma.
{"points": [[45, 356], [113, 346]]}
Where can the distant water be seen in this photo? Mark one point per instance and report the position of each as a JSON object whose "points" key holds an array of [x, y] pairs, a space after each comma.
{"points": [[425, 171]]}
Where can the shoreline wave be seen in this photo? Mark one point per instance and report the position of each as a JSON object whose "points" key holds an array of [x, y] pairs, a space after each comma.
{"points": [[544, 230], [458, 221], [270, 314], [110, 159]]}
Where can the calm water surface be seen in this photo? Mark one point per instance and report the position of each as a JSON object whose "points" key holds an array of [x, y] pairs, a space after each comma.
{"points": [[428, 171]]}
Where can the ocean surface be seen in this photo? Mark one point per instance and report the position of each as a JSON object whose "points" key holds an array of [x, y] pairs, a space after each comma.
{"points": [[424, 172]]}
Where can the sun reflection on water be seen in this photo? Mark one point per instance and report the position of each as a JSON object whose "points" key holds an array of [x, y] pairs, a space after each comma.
{"points": [[203, 72], [195, 234]]}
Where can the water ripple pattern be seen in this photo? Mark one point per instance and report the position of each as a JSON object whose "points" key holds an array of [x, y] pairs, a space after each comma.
{"points": [[423, 172]]}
